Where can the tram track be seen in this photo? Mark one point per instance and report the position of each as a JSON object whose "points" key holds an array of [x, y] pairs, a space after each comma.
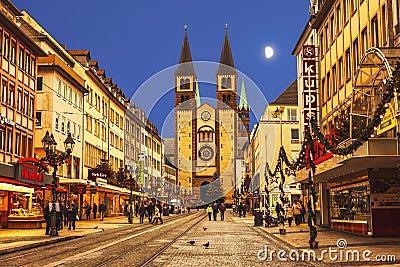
{"points": [[58, 249]]}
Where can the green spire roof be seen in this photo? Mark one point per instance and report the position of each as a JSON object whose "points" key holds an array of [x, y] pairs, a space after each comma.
{"points": [[243, 98], [198, 104]]}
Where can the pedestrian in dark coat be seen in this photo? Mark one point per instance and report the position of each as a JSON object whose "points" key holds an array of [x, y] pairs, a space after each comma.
{"points": [[47, 217], [222, 210], [72, 212], [88, 210], [94, 210], [150, 209], [215, 211], [141, 213], [102, 210]]}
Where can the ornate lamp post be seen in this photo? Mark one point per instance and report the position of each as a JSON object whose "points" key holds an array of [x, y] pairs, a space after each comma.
{"points": [[53, 159]]}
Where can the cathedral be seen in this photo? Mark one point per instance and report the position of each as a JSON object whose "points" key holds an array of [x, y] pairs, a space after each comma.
{"points": [[209, 141]]}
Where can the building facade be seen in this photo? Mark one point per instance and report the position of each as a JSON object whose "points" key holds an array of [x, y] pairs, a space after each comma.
{"points": [[356, 44], [206, 137], [18, 70]]}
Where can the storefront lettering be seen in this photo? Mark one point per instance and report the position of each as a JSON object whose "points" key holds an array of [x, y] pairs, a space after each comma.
{"points": [[31, 172], [4, 120], [95, 174], [320, 152]]}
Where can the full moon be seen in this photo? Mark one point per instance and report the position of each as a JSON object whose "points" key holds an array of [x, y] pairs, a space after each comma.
{"points": [[269, 52]]}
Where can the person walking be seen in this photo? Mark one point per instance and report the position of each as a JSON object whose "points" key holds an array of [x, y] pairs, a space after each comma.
{"points": [[141, 213], [94, 210], [209, 211], [215, 211], [102, 210], [303, 212], [47, 217], [240, 209], [66, 213], [188, 209], [150, 209], [88, 210], [297, 212], [72, 214], [136, 209], [222, 210], [289, 214]]}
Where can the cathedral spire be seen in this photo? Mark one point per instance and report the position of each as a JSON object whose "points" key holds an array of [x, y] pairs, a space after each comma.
{"points": [[226, 65], [198, 103], [243, 97], [185, 66]]}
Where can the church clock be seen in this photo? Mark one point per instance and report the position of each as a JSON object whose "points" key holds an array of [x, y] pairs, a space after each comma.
{"points": [[206, 153]]}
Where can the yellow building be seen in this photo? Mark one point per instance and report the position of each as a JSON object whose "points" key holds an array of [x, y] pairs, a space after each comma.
{"points": [[356, 45], [207, 137], [104, 111]]}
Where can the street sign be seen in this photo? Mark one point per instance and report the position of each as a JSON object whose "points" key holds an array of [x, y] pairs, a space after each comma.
{"points": [[101, 182]]}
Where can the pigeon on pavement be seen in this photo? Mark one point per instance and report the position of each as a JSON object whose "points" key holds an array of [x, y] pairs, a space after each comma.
{"points": [[206, 245], [191, 242]]}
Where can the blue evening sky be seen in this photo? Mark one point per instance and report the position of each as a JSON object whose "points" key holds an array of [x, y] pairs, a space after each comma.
{"points": [[133, 40]]}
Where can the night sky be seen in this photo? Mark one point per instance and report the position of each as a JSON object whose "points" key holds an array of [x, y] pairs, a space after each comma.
{"points": [[134, 40]]}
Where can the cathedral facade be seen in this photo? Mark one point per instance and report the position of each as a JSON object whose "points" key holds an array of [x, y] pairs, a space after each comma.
{"points": [[209, 140]]}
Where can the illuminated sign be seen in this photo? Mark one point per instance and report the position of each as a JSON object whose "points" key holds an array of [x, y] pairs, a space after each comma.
{"points": [[30, 171], [310, 93]]}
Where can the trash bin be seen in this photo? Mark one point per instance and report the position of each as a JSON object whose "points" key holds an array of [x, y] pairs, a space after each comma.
{"points": [[258, 218], [166, 212]]}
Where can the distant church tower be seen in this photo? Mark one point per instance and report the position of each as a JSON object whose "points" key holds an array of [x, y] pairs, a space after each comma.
{"points": [[206, 137]]}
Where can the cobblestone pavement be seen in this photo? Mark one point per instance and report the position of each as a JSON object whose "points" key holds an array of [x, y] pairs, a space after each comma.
{"points": [[231, 243]]}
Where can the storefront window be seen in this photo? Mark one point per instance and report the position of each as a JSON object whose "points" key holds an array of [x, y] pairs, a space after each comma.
{"points": [[25, 204], [351, 203]]}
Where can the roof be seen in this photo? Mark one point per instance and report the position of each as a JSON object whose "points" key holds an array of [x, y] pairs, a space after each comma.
{"points": [[226, 65], [79, 52], [185, 66], [243, 97], [289, 96]]}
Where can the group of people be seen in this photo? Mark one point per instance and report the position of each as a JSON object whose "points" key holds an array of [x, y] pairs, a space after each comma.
{"points": [[297, 211], [146, 209], [89, 209], [213, 210], [67, 215]]}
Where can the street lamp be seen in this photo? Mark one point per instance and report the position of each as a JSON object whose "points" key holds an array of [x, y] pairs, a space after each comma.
{"points": [[53, 159], [278, 113]]}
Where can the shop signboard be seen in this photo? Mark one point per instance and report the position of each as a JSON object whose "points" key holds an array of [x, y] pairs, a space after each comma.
{"points": [[101, 181], [385, 193], [93, 174], [141, 169], [310, 85], [30, 171], [388, 122], [78, 189]]}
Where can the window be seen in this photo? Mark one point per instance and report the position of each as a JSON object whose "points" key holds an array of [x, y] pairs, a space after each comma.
{"points": [[39, 81], [59, 87], [75, 98], [340, 72], [334, 80], [27, 62], [30, 146], [19, 99], [9, 141], [292, 114], [1, 136], [374, 32], [33, 66], [338, 18], [333, 28], [383, 16], [353, 6], [13, 56], [11, 95], [78, 134], [63, 125], [17, 144], [39, 119], [73, 130], [321, 41], [348, 64], [355, 55], [345, 11], [328, 86], [327, 36], [57, 126], [64, 91], [21, 58], [23, 146], [79, 101], [6, 47], [31, 106], [4, 91], [26, 103], [68, 127], [294, 135], [323, 97], [69, 94], [364, 41]]}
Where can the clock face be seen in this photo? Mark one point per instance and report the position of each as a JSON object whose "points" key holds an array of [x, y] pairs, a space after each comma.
{"points": [[205, 115], [206, 153]]}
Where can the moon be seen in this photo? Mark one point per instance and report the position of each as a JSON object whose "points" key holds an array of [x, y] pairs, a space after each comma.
{"points": [[269, 52]]}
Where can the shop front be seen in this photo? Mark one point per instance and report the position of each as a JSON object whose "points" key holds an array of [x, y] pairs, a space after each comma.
{"points": [[22, 194]]}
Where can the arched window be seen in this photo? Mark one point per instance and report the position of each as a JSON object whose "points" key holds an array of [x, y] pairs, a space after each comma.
{"points": [[228, 99], [182, 83], [206, 134], [223, 82]]}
